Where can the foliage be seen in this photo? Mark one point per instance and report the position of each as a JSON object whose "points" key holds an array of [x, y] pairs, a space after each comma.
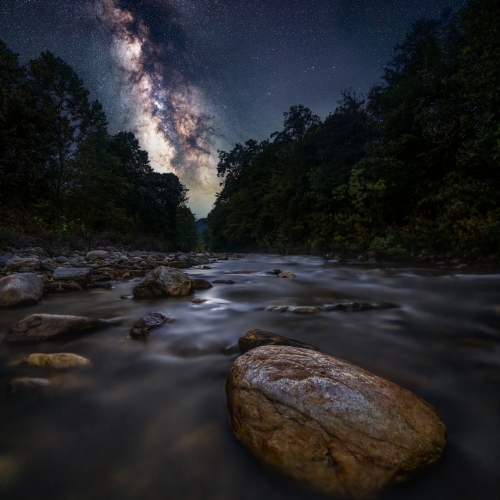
{"points": [[413, 166], [64, 177]]}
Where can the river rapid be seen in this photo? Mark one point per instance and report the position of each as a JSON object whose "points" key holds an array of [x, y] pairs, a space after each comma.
{"points": [[149, 420]]}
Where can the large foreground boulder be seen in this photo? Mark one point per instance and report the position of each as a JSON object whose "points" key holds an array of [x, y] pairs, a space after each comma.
{"points": [[164, 281], [40, 327], [20, 289], [329, 423]]}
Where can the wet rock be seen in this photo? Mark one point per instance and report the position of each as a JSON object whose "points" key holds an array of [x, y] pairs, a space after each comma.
{"points": [[125, 275], [70, 287], [41, 327], [257, 337], [96, 255], [206, 267], [278, 309], [273, 272], [197, 301], [222, 256], [286, 274], [201, 284], [149, 322], [78, 274], [28, 385], [16, 263], [296, 309], [350, 307], [164, 281], [20, 289], [59, 361], [329, 423], [224, 282]]}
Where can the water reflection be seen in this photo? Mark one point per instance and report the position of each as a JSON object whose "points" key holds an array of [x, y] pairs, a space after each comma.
{"points": [[149, 420]]}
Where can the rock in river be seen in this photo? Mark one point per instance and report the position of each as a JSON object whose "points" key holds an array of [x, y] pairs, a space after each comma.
{"points": [[78, 275], [60, 360], [149, 322], [255, 338], [199, 284], [224, 282], [350, 307], [27, 385], [19, 289], [286, 274], [40, 327], [164, 281], [329, 423]]}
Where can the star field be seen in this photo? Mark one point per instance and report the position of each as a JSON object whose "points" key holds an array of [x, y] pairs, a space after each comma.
{"points": [[246, 61]]}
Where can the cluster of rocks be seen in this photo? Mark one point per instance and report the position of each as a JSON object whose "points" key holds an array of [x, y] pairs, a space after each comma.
{"points": [[326, 422], [29, 273]]}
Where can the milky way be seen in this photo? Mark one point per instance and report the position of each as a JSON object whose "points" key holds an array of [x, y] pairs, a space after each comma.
{"points": [[167, 111], [191, 76]]}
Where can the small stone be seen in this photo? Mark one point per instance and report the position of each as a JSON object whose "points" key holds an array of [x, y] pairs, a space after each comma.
{"points": [[255, 338], [286, 274], [305, 309], [27, 385], [59, 361], [149, 322], [278, 309], [199, 284], [225, 282], [197, 301], [222, 256], [96, 255], [274, 272], [125, 275]]}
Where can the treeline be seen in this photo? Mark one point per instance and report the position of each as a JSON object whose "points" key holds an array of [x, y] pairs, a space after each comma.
{"points": [[413, 166], [64, 178]]}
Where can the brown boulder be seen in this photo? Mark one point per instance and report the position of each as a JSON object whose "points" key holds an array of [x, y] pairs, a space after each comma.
{"points": [[329, 423], [59, 361], [256, 338], [165, 282]]}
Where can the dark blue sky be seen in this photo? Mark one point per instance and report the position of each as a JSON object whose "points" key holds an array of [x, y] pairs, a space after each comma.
{"points": [[234, 66]]}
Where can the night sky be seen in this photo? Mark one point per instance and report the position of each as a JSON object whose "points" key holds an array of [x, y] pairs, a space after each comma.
{"points": [[193, 76]]}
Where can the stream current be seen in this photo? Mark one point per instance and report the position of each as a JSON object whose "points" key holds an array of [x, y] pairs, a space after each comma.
{"points": [[149, 420]]}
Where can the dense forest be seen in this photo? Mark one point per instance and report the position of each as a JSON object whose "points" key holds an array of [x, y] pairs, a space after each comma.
{"points": [[64, 180], [411, 167]]}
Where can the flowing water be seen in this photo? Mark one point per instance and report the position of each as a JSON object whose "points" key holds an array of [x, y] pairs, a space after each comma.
{"points": [[149, 421]]}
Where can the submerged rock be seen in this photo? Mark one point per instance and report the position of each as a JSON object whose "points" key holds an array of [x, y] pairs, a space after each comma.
{"points": [[164, 281], [60, 360], [20, 289], [256, 338], [28, 385], [329, 423], [40, 327], [199, 284], [350, 307], [224, 282], [296, 309], [149, 322]]}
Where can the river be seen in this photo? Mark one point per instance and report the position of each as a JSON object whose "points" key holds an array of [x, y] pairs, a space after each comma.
{"points": [[149, 421]]}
